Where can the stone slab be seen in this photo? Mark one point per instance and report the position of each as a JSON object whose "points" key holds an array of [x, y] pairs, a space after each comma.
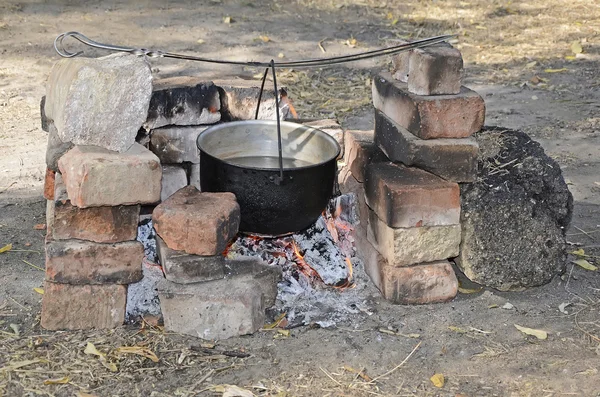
{"points": [[435, 70], [239, 99], [99, 101], [173, 178]]}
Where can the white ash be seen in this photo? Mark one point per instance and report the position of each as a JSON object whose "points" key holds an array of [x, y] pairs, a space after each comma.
{"points": [[308, 299], [142, 297]]}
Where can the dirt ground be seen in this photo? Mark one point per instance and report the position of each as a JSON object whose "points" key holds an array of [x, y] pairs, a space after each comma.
{"points": [[535, 63]]}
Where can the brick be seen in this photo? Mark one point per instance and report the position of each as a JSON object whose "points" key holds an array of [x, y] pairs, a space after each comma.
{"points": [[49, 184], [98, 177], [452, 159], [98, 224], [409, 246], [175, 145], [217, 309], [420, 284], [55, 147], [74, 307], [183, 268], [349, 184], [184, 101], [43, 119], [401, 63], [360, 150], [409, 197], [428, 117], [173, 179], [330, 127], [99, 101], [435, 70], [197, 223], [80, 262], [240, 97]]}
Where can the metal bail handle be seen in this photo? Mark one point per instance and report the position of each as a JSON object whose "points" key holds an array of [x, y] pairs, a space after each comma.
{"points": [[278, 180]]}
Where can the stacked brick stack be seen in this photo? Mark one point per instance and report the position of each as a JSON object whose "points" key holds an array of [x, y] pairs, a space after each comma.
{"points": [[203, 294], [96, 181], [410, 167]]}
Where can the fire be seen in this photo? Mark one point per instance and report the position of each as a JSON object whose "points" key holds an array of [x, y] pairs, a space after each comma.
{"points": [[303, 266], [349, 283]]}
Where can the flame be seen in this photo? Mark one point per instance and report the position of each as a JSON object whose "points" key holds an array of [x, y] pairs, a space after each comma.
{"points": [[349, 282], [302, 265]]}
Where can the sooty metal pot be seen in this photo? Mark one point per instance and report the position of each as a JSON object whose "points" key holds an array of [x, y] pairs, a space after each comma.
{"points": [[242, 157]]}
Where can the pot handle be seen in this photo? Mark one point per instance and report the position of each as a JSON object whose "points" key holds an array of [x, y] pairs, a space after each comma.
{"points": [[278, 180]]}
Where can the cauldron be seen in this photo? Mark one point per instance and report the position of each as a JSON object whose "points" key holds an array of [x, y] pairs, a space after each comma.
{"points": [[242, 157]]}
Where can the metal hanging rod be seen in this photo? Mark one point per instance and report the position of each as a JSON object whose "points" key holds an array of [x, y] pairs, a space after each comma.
{"points": [[59, 46]]}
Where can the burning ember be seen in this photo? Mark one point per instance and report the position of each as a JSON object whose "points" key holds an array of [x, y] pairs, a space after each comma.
{"points": [[318, 257]]}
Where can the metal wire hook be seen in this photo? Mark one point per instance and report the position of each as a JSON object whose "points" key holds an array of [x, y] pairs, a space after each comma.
{"points": [[59, 46]]}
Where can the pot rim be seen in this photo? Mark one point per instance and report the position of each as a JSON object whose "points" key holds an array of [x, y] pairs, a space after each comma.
{"points": [[269, 123]]}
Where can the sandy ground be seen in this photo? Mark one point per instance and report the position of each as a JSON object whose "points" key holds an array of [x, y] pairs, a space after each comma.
{"points": [[520, 57]]}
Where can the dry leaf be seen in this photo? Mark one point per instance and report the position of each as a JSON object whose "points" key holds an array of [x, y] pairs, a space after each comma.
{"points": [[438, 380], [15, 329], [284, 332], [39, 290], [59, 381], [40, 226], [469, 290], [234, 391], [351, 42], [264, 39], [200, 41], [91, 349], [140, 351], [576, 47], [579, 252], [585, 264], [555, 70], [280, 55], [570, 58], [357, 372], [531, 64], [538, 333], [7, 247], [227, 20], [457, 329], [277, 321]]}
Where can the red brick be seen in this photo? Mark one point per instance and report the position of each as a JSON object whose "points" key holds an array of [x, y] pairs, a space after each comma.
{"points": [[74, 307], [99, 224], [435, 70], [409, 197], [49, 184], [433, 116], [85, 262], [97, 177], [197, 223], [452, 159], [360, 150], [419, 284]]}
